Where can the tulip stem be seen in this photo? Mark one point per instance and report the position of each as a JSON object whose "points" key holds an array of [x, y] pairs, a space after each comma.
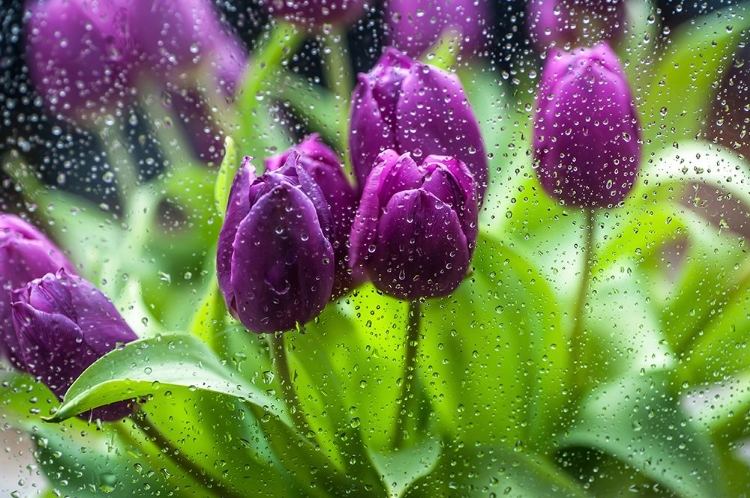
{"points": [[281, 366], [409, 379], [178, 458], [577, 336], [339, 78]]}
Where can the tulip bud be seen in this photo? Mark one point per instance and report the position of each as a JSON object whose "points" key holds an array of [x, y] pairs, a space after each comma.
{"points": [[25, 254], [80, 55], [586, 135], [64, 324], [414, 26], [570, 22], [274, 262], [416, 226], [317, 12], [176, 37], [407, 106], [323, 166]]}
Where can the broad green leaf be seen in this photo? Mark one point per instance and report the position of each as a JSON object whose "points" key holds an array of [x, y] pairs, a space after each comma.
{"points": [[639, 420], [482, 470], [401, 468], [696, 57], [496, 345], [148, 366], [724, 407]]}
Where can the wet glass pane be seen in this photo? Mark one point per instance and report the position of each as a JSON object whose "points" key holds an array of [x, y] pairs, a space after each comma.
{"points": [[374, 248]]}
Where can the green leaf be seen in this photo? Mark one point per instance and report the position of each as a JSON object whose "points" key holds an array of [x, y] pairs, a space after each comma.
{"points": [[492, 471], [638, 419], [227, 171], [401, 468], [696, 58], [164, 363]]}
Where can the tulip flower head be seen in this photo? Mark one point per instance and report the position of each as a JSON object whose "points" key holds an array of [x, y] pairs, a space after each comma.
{"points": [[586, 134], [25, 254], [317, 12], [416, 225], [414, 26], [325, 168], [275, 262], [407, 106], [64, 324], [80, 55]]}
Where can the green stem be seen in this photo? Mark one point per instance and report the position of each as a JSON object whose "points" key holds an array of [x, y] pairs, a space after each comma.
{"points": [[577, 336], [120, 161], [406, 407], [281, 366], [339, 78]]}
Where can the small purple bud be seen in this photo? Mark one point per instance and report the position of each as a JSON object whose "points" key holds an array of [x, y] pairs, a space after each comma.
{"points": [[323, 166], [317, 12], [414, 26], [80, 55], [571, 22], [64, 324], [274, 262], [407, 106], [586, 135], [416, 226], [25, 254]]}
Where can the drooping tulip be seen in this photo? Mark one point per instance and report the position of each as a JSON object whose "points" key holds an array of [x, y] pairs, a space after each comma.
{"points": [[407, 106], [80, 55], [416, 225], [25, 254], [586, 134], [317, 12], [414, 26], [275, 262], [323, 166], [63, 325]]}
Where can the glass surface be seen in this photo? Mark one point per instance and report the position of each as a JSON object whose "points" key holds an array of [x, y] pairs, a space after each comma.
{"points": [[374, 248]]}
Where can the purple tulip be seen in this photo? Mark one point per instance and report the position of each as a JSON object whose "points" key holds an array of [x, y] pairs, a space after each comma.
{"points": [[317, 12], [414, 26], [64, 324], [586, 136], [275, 263], [569, 22], [416, 226], [323, 166], [407, 106], [176, 37], [80, 55], [25, 254]]}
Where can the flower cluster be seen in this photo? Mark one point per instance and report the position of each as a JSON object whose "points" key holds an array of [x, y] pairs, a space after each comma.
{"points": [[301, 234], [53, 323]]}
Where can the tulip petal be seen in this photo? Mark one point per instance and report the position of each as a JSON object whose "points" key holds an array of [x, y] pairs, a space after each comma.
{"points": [[421, 248], [282, 264]]}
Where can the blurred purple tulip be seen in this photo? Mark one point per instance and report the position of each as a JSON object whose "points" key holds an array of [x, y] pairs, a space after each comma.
{"points": [[274, 261], [586, 135], [317, 12], [416, 226], [407, 106], [323, 166], [25, 254], [80, 55], [573, 22], [414, 26], [64, 324]]}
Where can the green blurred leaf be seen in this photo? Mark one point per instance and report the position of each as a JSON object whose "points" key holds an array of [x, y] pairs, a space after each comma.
{"points": [[639, 420], [227, 171], [473, 470], [173, 362], [696, 57]]}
